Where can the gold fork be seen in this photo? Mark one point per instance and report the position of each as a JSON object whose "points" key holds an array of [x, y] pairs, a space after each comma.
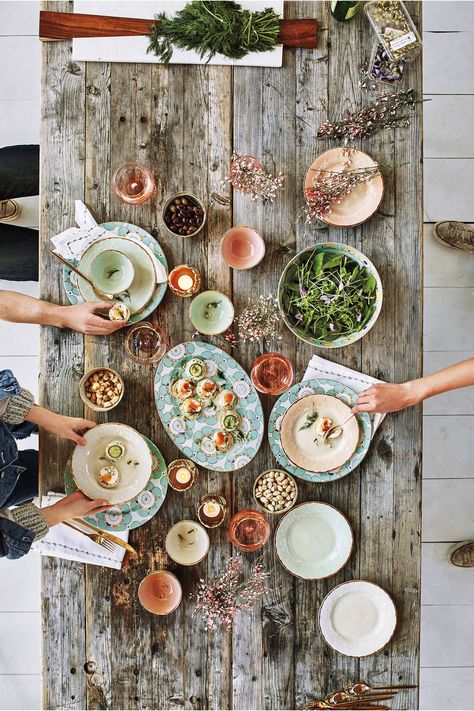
{"points": [[96, 537]]}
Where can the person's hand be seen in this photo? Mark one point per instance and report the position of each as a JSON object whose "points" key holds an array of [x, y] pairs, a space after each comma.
{"points": [[61, 425], [75, 505], [87, 318], [386, 397]]}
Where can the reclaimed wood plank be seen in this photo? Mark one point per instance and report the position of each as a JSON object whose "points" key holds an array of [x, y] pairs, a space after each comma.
{"points": [[62, 178]]}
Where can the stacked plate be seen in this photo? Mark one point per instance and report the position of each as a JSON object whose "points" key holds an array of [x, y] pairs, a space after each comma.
{"points": [[150, 269], [142, 480]]}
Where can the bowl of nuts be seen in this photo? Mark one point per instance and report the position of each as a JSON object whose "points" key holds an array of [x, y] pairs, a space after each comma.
{"points": [[101, 389], [275, 491], [184, 214]]}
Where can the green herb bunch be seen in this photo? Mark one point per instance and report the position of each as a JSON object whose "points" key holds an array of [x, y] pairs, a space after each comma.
{"points": [[326, 296], [212, 27]]}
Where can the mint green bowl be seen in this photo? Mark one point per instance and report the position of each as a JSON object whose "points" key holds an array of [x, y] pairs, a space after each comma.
{"points": [[363, 261], [211, 313]]}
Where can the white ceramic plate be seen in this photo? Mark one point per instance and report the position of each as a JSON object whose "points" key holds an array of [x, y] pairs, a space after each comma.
{"points": [[314, 540], [298, 441], [187, 542], [87, 462], [358, 618], [144, 280]]}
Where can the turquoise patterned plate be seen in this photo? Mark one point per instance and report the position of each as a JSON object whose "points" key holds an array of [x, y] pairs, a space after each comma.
{"points": [[134, 513], [122, 229], [193, 437], [321, 386]]}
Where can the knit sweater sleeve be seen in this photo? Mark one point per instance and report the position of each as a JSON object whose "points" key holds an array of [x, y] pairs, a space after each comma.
{"points": [[30, 517], [14, 409]]}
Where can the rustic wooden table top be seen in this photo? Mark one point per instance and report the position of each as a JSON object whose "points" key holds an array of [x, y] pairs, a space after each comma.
{"points": [[184, 122]]}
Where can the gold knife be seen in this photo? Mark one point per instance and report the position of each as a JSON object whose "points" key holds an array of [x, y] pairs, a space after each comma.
{"points": [[105, 534]]}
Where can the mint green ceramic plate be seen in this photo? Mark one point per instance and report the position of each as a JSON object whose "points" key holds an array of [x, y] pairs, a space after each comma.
{"points": [[314, 540], [134, 513], [321, 386], [70, 280], [194, 437]]}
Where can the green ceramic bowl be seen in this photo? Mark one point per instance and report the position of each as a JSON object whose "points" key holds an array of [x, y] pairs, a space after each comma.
{"points": [[334, 248], [211, 312]]}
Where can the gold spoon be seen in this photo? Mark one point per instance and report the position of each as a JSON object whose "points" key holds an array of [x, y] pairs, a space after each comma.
{"points": [[98, 292]]}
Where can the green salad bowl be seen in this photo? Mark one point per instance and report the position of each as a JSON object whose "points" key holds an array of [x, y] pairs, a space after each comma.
{"points": [[350, 288]]}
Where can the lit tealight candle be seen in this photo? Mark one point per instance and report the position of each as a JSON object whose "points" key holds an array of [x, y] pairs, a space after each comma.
{"points": [[185, 282], [211, 509], [183, 475]]}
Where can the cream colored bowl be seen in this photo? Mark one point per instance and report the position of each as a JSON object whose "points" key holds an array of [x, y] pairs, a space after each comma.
{"points": [[135, 467]]}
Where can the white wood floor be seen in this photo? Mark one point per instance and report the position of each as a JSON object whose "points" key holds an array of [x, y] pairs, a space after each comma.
{"points": [[447, 649]]}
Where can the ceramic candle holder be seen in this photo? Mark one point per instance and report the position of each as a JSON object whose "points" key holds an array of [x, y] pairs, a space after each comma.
{"points": [[182, 474], [212, 510], [184, 280], [160, 592], [242, 247]]}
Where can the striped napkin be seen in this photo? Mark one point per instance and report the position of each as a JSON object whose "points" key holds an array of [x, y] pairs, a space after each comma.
{"points": [[63, 542]]}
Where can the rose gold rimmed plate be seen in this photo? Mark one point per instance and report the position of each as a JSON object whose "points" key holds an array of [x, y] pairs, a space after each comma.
{"points": [[363, 201], [298, 441]]}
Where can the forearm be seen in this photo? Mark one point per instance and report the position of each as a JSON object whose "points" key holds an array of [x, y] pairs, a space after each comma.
{"points": [[456, 376], [20, 308]]}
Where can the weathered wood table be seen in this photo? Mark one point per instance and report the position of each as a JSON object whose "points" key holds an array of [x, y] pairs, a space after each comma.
{"points": [[184, 121]]}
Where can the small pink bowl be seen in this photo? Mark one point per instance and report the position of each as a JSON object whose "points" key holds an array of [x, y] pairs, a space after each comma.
{"points": [[242, 247]]}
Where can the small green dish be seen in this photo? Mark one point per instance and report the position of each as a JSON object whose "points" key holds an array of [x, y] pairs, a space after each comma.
{"points": [[211, 313]]}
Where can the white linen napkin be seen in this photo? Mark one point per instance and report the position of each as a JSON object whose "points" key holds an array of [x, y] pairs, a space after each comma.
{"points": [[321, 368], [71, 243], [63, 542]]}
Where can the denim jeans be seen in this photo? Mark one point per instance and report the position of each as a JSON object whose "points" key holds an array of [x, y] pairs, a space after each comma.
{"points": [[27, 485], [19, 177]]}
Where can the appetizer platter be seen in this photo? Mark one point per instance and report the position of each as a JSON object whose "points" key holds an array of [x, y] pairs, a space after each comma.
{"points": [[139, 510], [208, 406], [330, 295], [315, 412], [314, 540], [144, 294]]}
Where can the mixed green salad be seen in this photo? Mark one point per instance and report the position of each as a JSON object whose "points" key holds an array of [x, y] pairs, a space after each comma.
{"points": [[326, 295]]}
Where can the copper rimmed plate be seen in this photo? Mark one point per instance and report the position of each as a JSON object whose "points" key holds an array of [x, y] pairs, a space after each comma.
{"points": [[358, 618], [314, 540], [300, 444], [363, 201]]}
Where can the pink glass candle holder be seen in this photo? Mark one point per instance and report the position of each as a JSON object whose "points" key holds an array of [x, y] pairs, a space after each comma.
{"points": [[133, 183], [272, 373], [249, 530], [160, 592]]}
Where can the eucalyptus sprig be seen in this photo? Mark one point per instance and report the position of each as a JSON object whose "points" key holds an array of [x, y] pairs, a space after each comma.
{"points": [[220, 26]]}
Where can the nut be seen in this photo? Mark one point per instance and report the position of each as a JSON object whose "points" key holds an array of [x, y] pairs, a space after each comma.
{"points": [[103, 388], [275, 491]]}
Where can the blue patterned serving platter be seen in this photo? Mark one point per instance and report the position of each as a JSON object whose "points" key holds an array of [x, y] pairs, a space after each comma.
{"points": [[194, 437], [136, 512], [122, 229], [320, 386]]}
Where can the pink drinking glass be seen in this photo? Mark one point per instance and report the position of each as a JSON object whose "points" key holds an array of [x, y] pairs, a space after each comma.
{"points": [[249, 530], [272, 373], [133, 183]]}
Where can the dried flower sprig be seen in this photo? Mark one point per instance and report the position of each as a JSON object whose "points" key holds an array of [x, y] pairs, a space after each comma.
{"points": [[219, 601], [248, 176], [387, 111], [257, 321], [330, 187]]}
